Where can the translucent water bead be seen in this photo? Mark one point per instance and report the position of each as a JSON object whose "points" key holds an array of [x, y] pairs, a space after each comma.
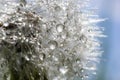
{"points": [[60, 27], [2, 35], [52, 44], [63, 70]]}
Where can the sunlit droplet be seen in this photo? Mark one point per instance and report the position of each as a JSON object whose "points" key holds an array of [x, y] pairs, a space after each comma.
{"points": [[5, 24], [42, 56], [56, 78], [63, 70], [57, 8], [52, 44], [2, 34], [64, 35], [27, 58], [20, 19], [44, 26], [60, 28]]}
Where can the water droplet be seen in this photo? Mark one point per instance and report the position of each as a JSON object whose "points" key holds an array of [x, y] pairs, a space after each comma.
{"points": [[1, 24], [20, 19], [5, 24], [19, 33], [27, 40], [78, 61], [56, 78], [91, 65], [42, 56], [44, 26], [61, 44], [82, 78], [63, 70], [60, 27], [52, 44], [55, 58], [64, 35], [83, 39], [2, 34], [10, 26], [86, 76], [82, 70], [57, 8], [27, 58], [14, 37]]}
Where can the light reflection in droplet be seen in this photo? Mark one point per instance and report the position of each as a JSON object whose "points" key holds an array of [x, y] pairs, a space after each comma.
{"points": [[60, 27], [63, 70], [52, 44]]}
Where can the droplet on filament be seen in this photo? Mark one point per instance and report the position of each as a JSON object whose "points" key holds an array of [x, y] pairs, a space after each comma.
{"points": [[52, 44], [63, 70], [60, 27]]}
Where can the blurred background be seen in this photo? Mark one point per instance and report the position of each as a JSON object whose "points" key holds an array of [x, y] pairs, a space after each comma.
{"points": [[109, 68]]}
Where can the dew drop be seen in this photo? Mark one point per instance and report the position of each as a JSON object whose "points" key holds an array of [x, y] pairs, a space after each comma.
{"points": [[42, 56], [44, 26], [56, 78], [82, 78], [61, 44], [52, 44], [20, 19], [63, 70], [14, 37], [5, 24], [64, 35], [27, 58], [55, 58], [1, 24], [86, 76], [82, 70], [91, 65], [57, 8], [83, 39], [2, 34], [60, 27], [78, 61]]}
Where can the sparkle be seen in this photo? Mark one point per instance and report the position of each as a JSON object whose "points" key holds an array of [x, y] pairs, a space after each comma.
{"points": [[60, 28], [63, 70], [52, 44]]}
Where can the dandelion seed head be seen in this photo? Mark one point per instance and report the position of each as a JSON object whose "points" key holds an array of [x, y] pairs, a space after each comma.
{"points": [[56, 38]]}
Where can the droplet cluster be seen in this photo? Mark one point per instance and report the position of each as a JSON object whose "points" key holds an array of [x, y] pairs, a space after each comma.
{"points": [[48, 40]]}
